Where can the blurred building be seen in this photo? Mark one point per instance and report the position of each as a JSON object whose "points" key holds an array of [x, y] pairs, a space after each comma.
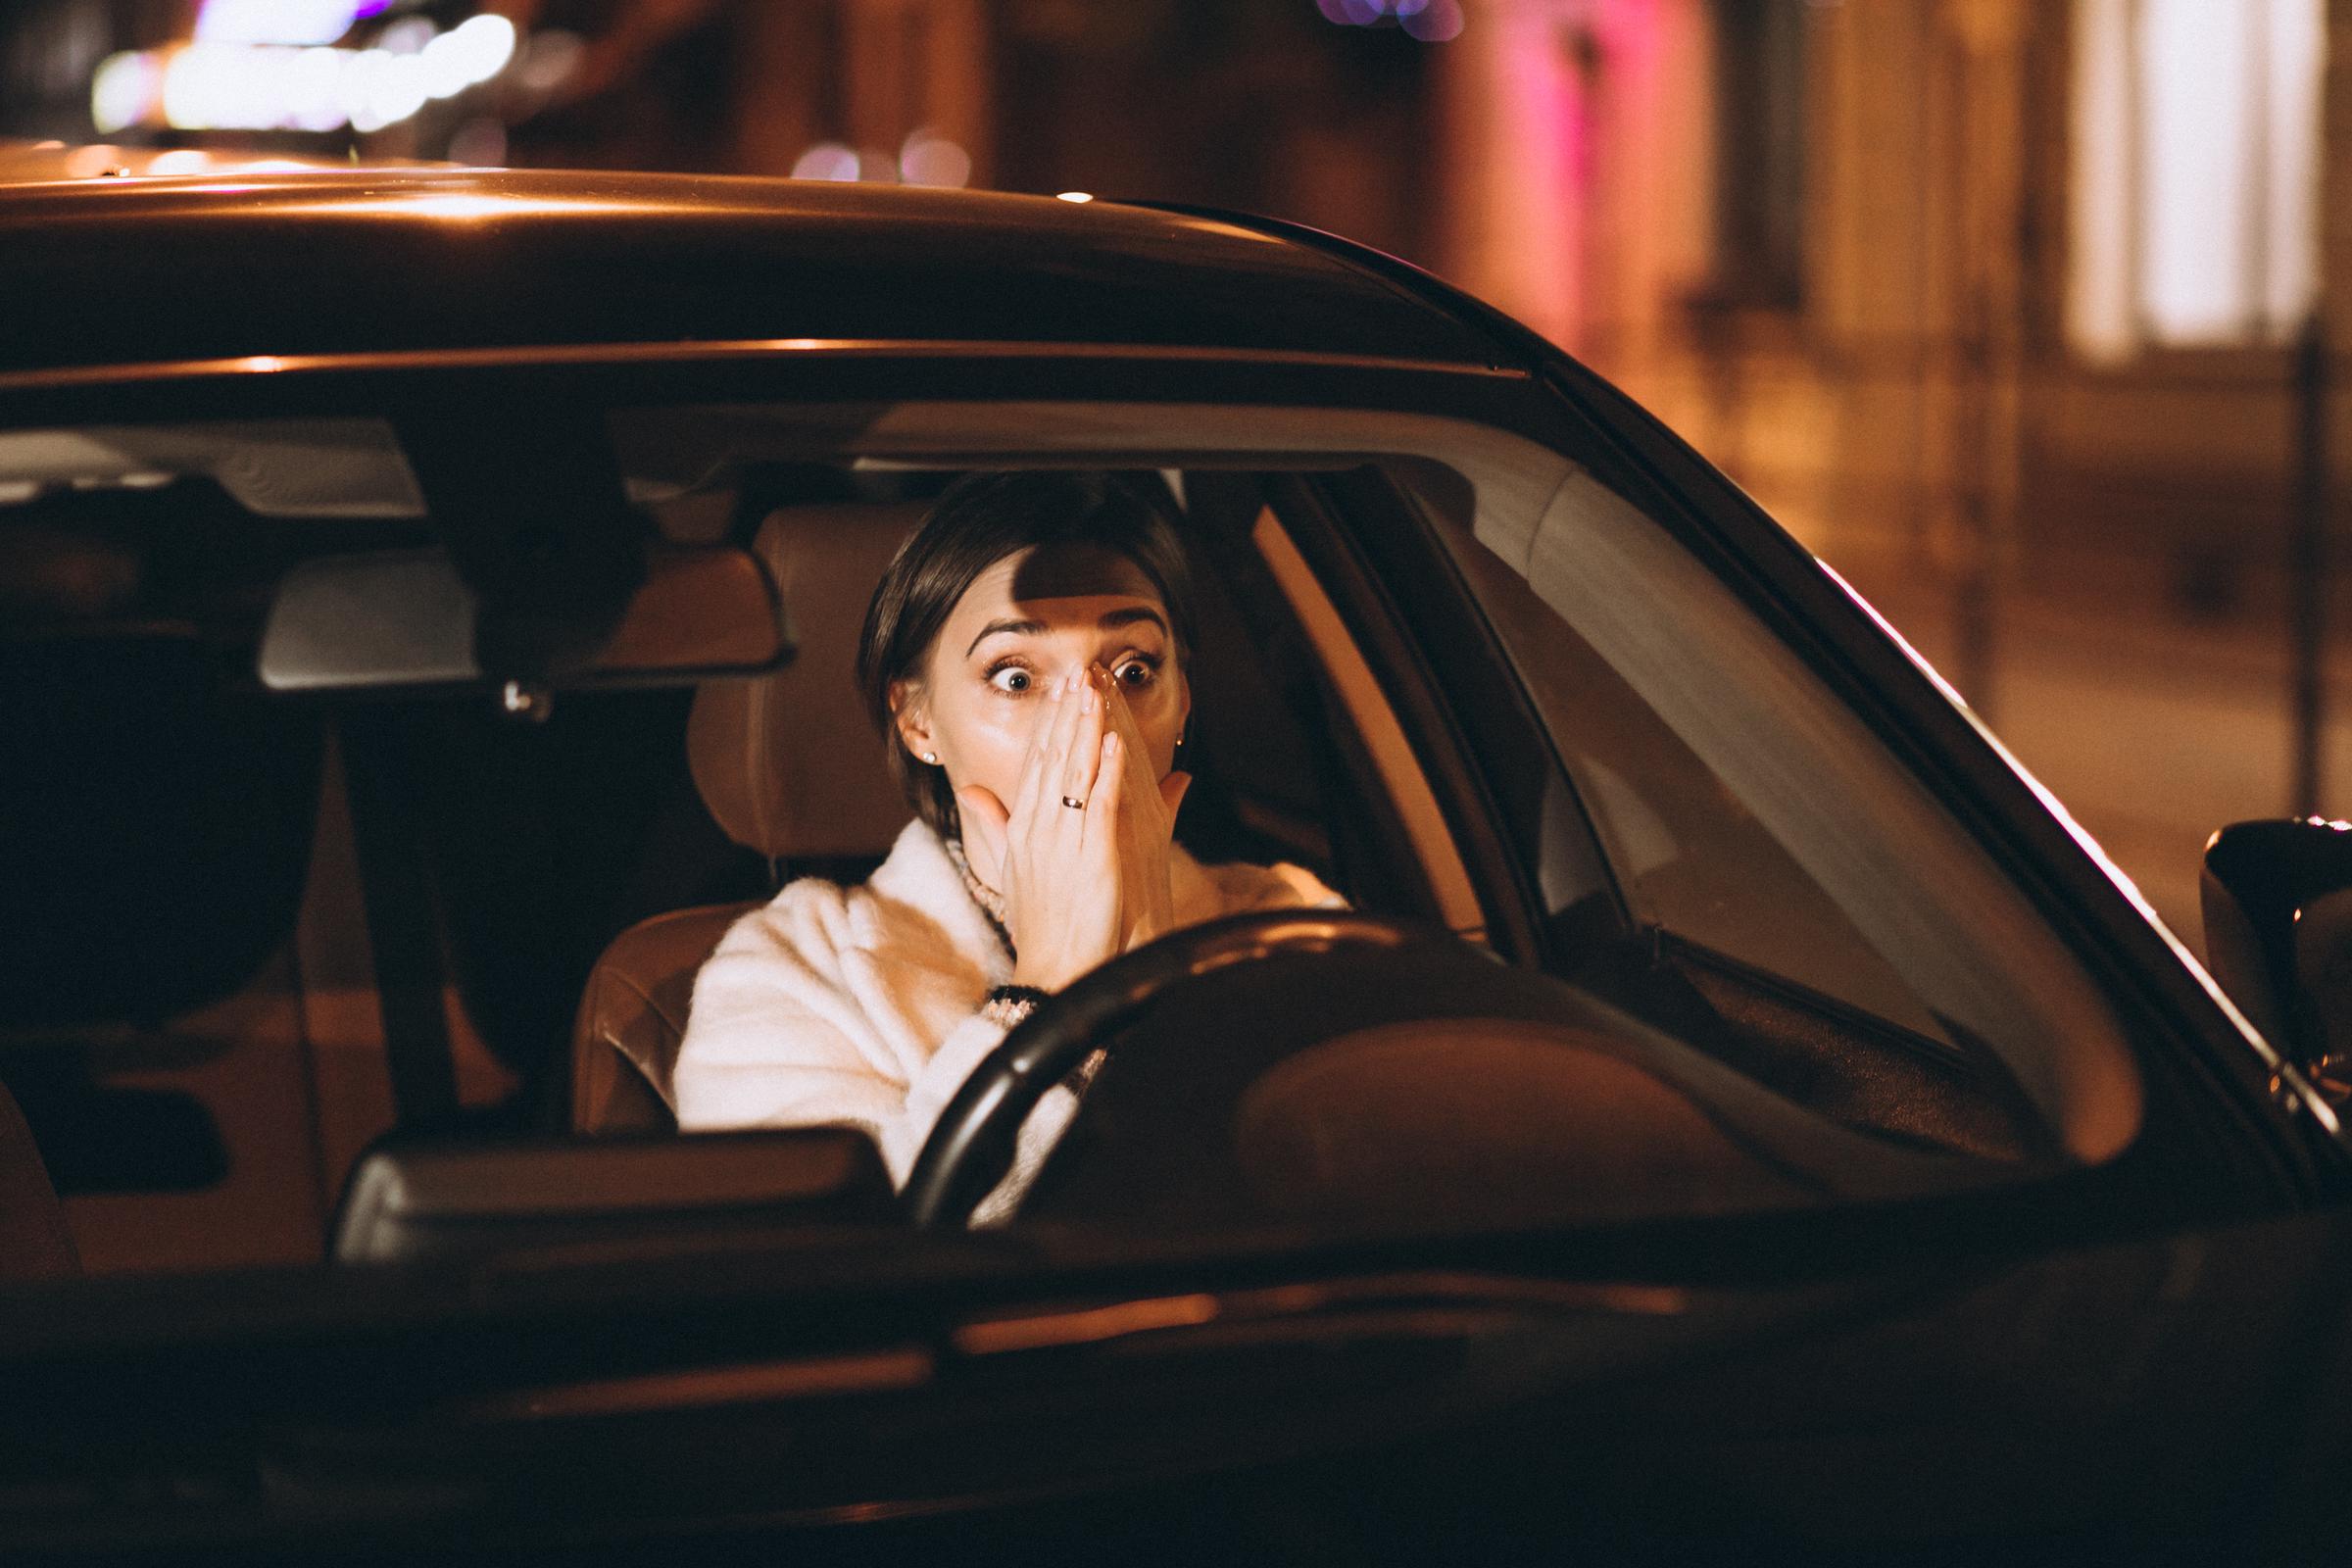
{"points": [[2017, 311], [1920, 270]]}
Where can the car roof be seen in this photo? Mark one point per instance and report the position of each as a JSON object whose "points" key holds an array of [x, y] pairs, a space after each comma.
{"points": [[129, 269]]}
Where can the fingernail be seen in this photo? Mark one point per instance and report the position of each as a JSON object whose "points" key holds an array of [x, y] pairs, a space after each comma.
{"points": [[1110, 746]]}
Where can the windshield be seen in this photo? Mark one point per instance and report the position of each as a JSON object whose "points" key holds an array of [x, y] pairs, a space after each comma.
{"points": [[1750, 816], [420, 946]]}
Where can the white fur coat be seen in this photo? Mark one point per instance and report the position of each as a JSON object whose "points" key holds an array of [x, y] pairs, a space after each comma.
{"points": [[860, 1005]]}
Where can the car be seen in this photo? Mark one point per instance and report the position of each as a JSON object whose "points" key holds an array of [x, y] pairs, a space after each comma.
{"points": [[1737, 1111]]}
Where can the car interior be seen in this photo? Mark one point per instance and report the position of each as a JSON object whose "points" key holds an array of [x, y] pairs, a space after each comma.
{"points": [[323, 952]]}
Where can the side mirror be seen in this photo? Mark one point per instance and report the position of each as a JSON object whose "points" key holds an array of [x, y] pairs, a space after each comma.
{"points": [[2278, 904]]}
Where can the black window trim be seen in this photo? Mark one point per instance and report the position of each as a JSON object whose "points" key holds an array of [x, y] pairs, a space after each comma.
{"points": [[1341, 524]]}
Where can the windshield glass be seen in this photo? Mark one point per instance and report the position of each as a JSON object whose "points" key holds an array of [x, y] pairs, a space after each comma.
{"points": [[413, 967], [1758, 831]]}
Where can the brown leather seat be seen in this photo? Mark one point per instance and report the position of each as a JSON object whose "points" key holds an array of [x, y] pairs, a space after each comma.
{"points": [[789, 767], [632, 1017]]}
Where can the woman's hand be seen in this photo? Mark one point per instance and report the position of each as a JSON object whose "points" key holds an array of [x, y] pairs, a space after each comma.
{"points": [[1146, 829], [1058, 869]]}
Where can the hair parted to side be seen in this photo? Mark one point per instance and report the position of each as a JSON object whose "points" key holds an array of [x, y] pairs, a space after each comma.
{"points": [[977, 522]]}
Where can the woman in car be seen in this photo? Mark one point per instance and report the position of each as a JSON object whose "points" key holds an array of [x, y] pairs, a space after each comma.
{"points": [[1024, 658]]}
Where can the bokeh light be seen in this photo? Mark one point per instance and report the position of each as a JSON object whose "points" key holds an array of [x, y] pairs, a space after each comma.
{"points": [[282, 21], [126, 90], [406, 36], [471, 52], [88, 163], [1427, 20], [206, 85], [1433, 22], [312, 91], [930, 159], [549, 60], [216, 84], [827, 159]]}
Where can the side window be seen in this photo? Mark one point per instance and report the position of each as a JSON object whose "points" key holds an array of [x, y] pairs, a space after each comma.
{"points": [[1299, 755], [1357, 692], [1690, 859], [1758, 828]]}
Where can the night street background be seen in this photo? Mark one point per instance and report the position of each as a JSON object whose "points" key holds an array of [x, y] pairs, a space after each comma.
{"points": [[2016, 312]]}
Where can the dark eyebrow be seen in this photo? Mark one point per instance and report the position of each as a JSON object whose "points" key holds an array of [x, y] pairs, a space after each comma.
{"points": [[1131, 615], [1114, 619], [1026, 628]]}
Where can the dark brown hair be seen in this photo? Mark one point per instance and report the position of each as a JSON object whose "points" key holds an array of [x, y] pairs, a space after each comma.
{"points": [[976, 522]]}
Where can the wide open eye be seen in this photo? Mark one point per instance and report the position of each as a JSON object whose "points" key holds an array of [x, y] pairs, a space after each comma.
{"points": [[1136, 671], [1013, 679]]}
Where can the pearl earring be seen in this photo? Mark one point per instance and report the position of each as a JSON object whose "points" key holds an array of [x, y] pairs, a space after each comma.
{"points": [[932, 757]]}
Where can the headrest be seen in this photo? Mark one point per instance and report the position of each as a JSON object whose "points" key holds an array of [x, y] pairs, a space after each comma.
{"points": [[788, 763], [154, 829]]}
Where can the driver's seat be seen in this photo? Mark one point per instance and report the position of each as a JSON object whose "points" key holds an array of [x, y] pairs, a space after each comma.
{"points": [[789, 768]]}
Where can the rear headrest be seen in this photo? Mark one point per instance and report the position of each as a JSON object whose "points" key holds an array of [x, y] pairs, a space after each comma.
{"points": [[154, 829], [788, 763]]}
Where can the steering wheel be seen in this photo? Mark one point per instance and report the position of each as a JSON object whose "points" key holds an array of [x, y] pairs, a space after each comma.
{"points": [[971, 1145], [1314, 1063]]}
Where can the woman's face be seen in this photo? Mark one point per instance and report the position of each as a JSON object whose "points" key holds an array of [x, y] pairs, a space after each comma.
{"points": [[1023, 624]]}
